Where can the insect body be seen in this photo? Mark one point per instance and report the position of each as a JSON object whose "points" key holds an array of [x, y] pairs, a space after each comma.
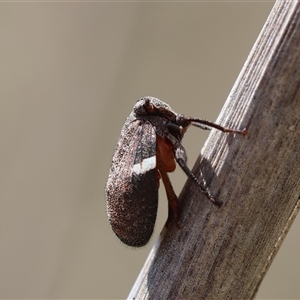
{"points": [[147, 149]]}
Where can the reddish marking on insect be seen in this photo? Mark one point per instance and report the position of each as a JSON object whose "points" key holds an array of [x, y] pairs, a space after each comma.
{"points": [[244, 131], [165, 164], [165, 153]]}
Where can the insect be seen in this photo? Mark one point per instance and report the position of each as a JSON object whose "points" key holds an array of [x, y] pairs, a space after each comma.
{"points": [[148, 149]]}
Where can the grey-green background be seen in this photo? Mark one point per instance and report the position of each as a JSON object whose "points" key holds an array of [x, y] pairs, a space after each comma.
{"points": [[70, 74]]}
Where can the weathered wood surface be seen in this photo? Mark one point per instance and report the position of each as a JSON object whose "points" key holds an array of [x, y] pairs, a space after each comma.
{"points": [[223, 253]]}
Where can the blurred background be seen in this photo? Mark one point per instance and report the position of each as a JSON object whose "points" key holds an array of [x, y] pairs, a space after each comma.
{"points": [[70, 75]]}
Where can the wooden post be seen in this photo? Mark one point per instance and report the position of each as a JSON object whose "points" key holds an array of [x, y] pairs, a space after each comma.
{"points": [[223, 253]]}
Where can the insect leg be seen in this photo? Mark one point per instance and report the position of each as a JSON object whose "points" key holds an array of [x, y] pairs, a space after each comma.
{"points": [[206, 124], [202, 126], [189, 173], [172, 198], [181, 159]]}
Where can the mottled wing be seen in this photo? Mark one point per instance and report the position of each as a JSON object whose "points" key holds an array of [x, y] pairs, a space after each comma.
{"points": [[132, 190]]}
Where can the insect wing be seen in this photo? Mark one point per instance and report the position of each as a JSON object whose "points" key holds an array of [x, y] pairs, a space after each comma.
{"points": [[132, 188]]}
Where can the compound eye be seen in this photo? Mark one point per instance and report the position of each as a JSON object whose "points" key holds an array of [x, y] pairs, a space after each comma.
{"points": [[176, 131]]}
